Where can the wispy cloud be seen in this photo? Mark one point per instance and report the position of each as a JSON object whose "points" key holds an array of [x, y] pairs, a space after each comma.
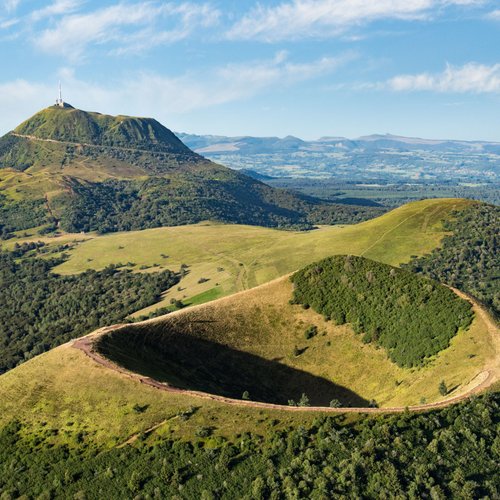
{"points": [[471, 77], [8, 23], [11, 5], [225, 84], [495, 15], [163, 96], [311, 18], [127, 27], [56, 8]]}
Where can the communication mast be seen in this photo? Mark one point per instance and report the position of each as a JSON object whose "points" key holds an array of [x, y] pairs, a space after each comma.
{"points": [[59, 100]]}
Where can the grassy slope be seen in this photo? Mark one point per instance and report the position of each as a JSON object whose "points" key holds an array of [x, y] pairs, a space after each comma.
{"points": [[65, 390], [253, 255], [68, 391]]}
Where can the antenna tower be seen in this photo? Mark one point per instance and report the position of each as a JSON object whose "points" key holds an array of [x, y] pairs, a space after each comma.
{"points": [[59, 100]]}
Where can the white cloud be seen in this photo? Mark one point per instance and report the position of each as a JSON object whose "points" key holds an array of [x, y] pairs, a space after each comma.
{"points": [[495, 15], [303, 18], [56, 8], [163, 96], [11, 5], [472, 77], [8, 23], [127, 26]]}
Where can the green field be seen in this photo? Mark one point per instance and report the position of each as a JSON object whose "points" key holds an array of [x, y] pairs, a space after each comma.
{"points": [[235, 257]]}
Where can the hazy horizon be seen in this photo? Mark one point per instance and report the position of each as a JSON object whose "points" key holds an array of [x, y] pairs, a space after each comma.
{"points": [[307, 68]]}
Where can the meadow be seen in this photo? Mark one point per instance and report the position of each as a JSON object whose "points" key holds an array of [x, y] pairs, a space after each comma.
{"points": [[225, 258]]}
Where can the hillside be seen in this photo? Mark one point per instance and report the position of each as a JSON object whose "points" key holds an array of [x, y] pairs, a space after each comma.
{"points": [[69, 428], [257, 341], [79, 171], [69, 125], [223, 259], [61, 308], [468, 257], [130, 274], [67, 419]]}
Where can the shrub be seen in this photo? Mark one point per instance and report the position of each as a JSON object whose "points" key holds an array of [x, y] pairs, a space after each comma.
{"points": [[443, 390], [311, 332]]}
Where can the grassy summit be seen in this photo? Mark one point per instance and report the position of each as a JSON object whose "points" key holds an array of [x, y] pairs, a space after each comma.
{"points": [[74, 125]]}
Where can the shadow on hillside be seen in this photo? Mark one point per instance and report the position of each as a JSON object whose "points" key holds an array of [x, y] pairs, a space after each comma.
{"points": [[188, 362]]}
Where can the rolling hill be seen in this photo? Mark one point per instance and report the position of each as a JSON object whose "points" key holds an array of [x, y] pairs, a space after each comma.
{"points": [[73, 425], [81, 171], [223, 259]]}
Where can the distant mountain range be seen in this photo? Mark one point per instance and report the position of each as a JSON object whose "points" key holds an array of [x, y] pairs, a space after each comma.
{"points": [[215, 144], [69, 169], [383, 158]]}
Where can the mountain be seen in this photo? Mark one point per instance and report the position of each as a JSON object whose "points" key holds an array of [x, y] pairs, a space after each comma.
{"points": [[81, 171], [75, 126], [61, 138], [247, 144], [374, 158]]}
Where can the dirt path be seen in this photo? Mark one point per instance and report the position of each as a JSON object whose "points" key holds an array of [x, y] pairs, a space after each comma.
{"points": [[479, 383], [384, 234], [77, 144]]}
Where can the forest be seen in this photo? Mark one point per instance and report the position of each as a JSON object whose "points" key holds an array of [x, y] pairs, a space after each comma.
{"points": [[20, 215], [468, 257], [156, 202], [412, 317], [450, 453], [41, 310]]}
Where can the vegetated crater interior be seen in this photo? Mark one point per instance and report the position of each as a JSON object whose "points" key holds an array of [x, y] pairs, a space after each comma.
{"points": [[332, 332]]}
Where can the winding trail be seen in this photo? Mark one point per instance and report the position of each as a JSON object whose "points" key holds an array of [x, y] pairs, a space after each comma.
{"points": [[77, 144], [481, 382]]}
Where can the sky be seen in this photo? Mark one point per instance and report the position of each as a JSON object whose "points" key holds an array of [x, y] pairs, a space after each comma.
{"points": [[308, 68]]}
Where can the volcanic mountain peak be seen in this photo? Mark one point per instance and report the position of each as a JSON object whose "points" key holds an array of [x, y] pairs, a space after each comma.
{"points": [[68, 124]]}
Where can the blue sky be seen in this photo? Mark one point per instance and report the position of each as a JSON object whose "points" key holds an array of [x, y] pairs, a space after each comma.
{"points": [[310, 68]]}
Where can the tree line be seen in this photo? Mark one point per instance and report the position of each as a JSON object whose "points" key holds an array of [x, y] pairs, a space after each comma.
{"points": [[468, 257]]}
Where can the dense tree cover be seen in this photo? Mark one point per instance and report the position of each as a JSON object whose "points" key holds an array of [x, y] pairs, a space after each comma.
{"points": [[372, 192], [190, 198], [469, 257], [19, 215], [40, 310], [451, 453], [410, 316]]}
